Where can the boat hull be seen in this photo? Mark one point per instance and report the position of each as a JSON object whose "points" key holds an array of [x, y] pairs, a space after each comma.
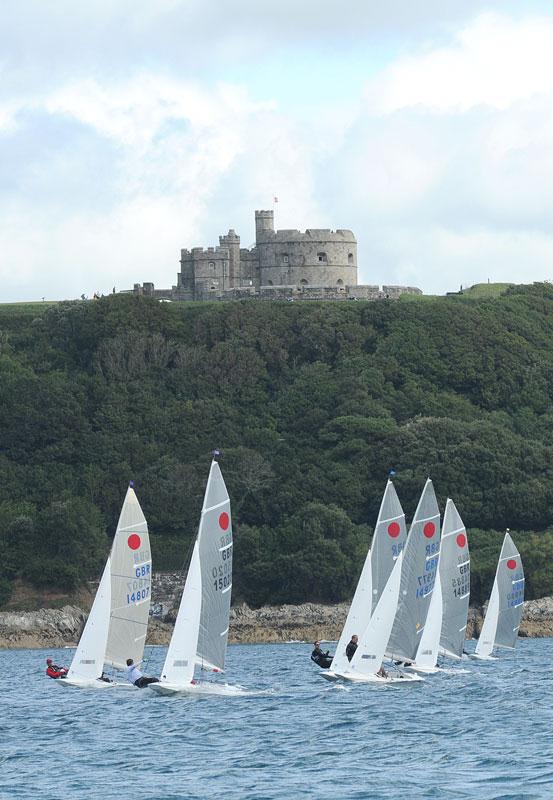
{"points": [[92, 683], [328, 675], [396, 679], [482, 658], [196, 688], [417, 668]]}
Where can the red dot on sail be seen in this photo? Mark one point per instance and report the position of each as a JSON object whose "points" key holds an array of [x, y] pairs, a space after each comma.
{"points": [[134, 541], [461, 540], [429, 530], [393, 529], [224, 520], [511, 564]]}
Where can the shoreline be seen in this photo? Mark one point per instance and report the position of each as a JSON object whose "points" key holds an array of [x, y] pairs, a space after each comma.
{"points": [[57, 628]]}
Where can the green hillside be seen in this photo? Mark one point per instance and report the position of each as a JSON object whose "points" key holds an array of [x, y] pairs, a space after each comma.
{"points": [[311, 403]]}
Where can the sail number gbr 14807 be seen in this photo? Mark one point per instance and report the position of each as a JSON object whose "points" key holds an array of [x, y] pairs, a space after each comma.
{"points": [[139, 588]]}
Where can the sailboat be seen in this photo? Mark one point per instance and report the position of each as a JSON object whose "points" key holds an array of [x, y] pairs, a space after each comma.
{"points": [[365, 666], [116, 626], [202, 624], [446, 623], [502, 621], [387, 544], [418, 579]]}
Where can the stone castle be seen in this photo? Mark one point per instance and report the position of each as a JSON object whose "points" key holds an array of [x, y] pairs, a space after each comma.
{"points": [[317, 264]]}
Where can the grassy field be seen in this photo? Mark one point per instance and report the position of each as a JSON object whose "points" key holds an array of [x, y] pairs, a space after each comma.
{"points": [[9, 309], [481, 291]]}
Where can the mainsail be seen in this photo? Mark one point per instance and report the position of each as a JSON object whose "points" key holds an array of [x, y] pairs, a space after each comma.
{"points": [[420, 565], [454, 571], [131, 575], [388, 541], [88, 661], [215, 551], [500, 628]]}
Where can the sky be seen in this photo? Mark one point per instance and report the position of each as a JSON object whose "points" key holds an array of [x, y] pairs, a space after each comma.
{"points": [[132, 128]]}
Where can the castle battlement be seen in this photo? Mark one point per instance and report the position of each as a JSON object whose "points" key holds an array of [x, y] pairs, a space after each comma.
{"points": [[205, 253]]}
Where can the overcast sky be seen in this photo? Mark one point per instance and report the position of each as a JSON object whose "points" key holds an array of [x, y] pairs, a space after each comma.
{"points": [[132, 128]]}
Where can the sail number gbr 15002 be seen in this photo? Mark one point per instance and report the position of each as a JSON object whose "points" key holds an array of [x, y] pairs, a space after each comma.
{"points": [[222, 573]]}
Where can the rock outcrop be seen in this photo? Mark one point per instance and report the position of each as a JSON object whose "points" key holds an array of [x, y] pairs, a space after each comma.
{"points": [[307, 622], [48, 627]]}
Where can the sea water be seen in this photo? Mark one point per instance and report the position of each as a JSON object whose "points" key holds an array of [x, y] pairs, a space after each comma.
{"points": [[483, 730]]}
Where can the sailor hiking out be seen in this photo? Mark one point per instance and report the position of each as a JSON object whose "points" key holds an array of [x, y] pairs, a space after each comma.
{"points": [[323, 660], [53, 671], [136, 677]]}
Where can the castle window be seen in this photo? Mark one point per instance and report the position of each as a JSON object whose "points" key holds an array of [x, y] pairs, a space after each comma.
{"points": [[350, 258], [269, 283], [285, 258], [322, 257], [303, 282], [339, 282], [212, 264]]}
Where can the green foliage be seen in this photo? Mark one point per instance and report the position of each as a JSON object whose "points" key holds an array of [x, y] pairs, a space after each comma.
{"points": [[311, 403]]}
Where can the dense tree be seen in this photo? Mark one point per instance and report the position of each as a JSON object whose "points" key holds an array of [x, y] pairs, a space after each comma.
{"points": [[311, 403]]}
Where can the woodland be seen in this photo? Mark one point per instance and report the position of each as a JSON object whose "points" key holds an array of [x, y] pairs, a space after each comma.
{"points": [[312, 405]]}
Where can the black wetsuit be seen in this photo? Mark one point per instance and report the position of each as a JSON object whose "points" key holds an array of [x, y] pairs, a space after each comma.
{"points": [[320, 658], [144, 681], [350, 650]]}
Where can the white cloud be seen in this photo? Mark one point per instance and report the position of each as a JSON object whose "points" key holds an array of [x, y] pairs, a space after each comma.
{"points": [[443, 168], [494, 61]]}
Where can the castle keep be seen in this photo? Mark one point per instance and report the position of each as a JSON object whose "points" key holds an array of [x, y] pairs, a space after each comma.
{"points": [[317, 264]]}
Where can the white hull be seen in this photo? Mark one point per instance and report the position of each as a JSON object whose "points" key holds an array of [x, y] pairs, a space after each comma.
{"points": [[87, 683], [328, 675], [394, 678], [417, 668], [196, 688]]}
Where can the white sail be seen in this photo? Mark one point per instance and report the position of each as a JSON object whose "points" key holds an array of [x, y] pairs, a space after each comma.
{"points": [[427, 653], [88, 661], [502, 621], [388, 541], [454, 571], [368, 657], [181, 654], [358, 616], [485, 643], [131, 575], [215, 545], [420, 566]]}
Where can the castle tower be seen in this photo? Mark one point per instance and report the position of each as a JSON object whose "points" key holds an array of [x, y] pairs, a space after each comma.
{"points": [[232, 242], [264, 223]]}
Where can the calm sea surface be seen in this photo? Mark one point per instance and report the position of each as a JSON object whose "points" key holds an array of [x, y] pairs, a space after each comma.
{"points": [[484, 731]]}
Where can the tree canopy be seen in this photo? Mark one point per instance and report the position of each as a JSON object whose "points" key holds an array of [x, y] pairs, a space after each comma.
{"points": [[311, 403]]}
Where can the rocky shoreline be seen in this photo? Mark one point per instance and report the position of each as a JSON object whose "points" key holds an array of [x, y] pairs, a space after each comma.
{"points": [[52, 628]]}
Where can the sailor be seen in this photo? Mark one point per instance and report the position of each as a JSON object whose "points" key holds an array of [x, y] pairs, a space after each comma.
{"points": [[135, 677], [352, 647], [53, 671], [320, 658], [382, 672]]}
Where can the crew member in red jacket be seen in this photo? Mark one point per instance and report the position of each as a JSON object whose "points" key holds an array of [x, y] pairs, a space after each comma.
{"points": [[53, 671]]}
